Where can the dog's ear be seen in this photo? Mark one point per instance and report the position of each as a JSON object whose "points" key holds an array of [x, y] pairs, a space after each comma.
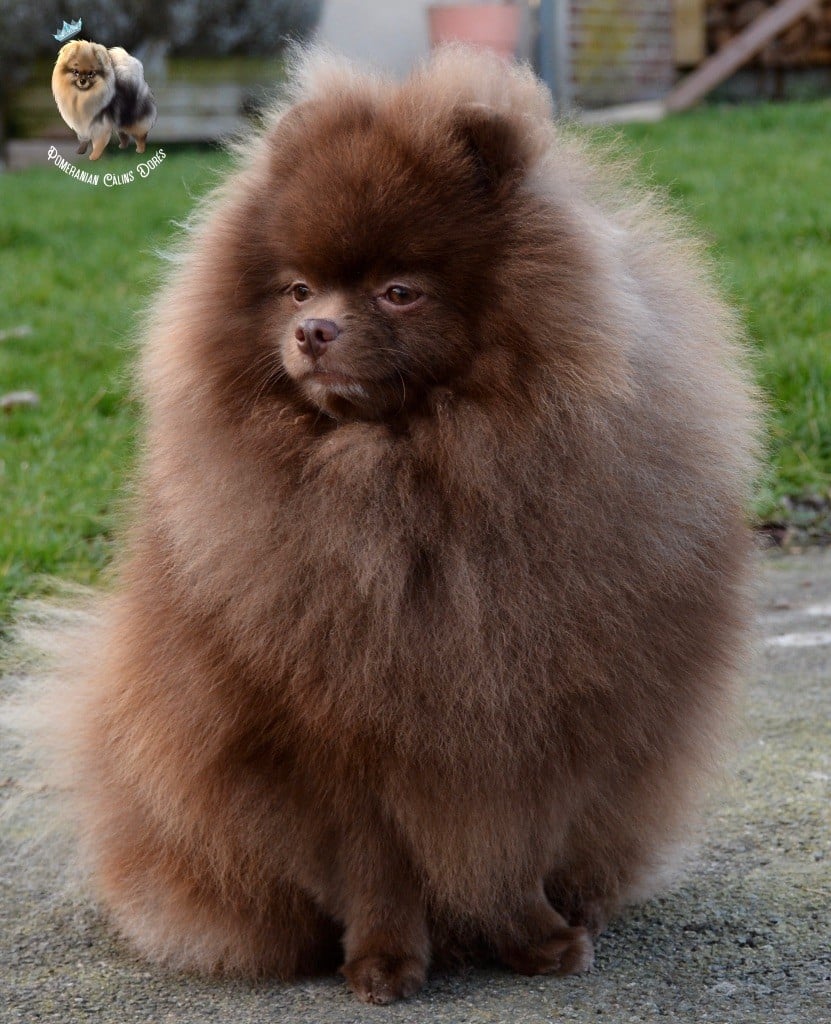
{"points": [[102, 55], [493, 142]]}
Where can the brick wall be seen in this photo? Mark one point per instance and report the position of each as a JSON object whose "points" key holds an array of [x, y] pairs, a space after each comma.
{"points": [[621, 50]]}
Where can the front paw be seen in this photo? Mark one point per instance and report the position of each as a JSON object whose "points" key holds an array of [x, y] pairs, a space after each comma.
{"points": [[380, 979], [567, 951]]}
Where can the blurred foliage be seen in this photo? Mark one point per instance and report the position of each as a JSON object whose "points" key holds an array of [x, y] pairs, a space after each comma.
{"points": [[25, 30], [205, 28], [202, 27]]}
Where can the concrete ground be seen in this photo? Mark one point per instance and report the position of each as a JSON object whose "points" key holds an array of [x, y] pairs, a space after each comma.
{"points": [[745, 937]]}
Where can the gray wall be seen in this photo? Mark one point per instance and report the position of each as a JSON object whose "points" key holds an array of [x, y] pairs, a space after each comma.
{"points": [[388, 34]]}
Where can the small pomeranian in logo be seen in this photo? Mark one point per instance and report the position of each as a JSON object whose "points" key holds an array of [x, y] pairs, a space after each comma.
{"points": [[99, 91]]}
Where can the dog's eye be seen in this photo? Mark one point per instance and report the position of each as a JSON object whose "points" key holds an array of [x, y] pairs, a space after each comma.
{"points": [[75, 72], [300, 292], [401, 295]]}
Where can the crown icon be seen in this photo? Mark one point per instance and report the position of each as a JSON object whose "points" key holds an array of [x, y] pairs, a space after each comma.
{"points": [[67, 31]]}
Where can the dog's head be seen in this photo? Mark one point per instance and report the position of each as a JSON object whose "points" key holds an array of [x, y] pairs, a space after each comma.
{"points": [[83, 65]]}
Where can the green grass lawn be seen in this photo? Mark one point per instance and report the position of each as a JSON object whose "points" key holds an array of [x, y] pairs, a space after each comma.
{"points": [[78, 263], [755, 182]]}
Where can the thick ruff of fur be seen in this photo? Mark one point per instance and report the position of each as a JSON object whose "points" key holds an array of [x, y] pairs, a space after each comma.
{"points": [[99, 91], [424, 646]]}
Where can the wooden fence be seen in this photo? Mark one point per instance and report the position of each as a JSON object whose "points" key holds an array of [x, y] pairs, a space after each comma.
{"points": [[198, 101]]}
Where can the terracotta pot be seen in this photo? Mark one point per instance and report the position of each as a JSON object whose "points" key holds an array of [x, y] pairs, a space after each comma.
{"points": [[493, 26]]}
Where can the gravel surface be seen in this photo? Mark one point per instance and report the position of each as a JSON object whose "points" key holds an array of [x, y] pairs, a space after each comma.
{"points": [[746, 937]]}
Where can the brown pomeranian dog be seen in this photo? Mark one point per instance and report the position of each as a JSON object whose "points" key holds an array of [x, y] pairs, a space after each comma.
{"points": [[437, 581], [99, 91]]}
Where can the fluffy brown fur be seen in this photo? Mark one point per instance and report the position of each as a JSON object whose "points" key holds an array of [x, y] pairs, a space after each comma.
{"points": [[99, 91], [425, 630]]}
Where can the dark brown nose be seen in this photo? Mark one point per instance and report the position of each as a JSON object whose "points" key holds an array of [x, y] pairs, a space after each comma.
{"points": [[314, 335]]}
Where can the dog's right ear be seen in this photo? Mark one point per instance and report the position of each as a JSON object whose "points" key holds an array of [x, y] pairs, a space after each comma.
{"points": [[493, 142]]}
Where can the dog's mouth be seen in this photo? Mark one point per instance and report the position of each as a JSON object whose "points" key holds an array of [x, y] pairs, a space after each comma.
{"points": [[336, 383], [345, 397]]}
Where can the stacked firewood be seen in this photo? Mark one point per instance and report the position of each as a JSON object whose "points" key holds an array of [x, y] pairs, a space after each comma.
{"points": [[806, 43]]}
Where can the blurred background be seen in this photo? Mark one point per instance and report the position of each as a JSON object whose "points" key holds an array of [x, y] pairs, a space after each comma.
{"points": [[210, 63], [723, 104]]}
